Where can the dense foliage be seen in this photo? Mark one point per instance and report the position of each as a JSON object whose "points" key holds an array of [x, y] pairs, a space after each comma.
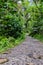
{"points": [[10, 19], [33, 12], [34, 17], [36, 24], [11, 24]]}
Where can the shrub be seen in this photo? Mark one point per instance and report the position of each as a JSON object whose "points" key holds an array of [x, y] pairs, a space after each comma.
{"points": [[36, 22], [10, 19]]}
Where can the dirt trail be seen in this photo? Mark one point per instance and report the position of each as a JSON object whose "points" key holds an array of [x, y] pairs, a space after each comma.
{"points": [[30, 52]]}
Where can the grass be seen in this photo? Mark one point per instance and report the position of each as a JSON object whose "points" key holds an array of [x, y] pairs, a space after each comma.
{"points": [[6, 43], [39, 37]]}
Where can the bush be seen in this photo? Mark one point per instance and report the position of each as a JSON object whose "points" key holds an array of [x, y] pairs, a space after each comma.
{"points": [[10, 19], [11, 29], [36, 22], [37, 28]]}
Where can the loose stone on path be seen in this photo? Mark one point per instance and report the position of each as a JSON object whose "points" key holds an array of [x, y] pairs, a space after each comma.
{"points": [[3, 60]]}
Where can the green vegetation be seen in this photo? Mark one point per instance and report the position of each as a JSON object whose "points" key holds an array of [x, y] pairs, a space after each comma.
{"points": [[11, 24], [39, 37], [18, 17], [36, 24], [11, 20], [6, 43], [34, 19]]}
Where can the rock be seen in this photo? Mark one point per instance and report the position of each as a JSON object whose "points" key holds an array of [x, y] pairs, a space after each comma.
{"points": [[30, 64], [30, 55], [39, 57], [35, 56], [3, 60]]}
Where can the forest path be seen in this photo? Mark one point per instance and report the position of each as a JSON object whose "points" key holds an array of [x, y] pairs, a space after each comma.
{"points": [[30, 52]]}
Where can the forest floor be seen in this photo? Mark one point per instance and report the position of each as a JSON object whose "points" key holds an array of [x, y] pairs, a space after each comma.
{"points": [[29, 52]]}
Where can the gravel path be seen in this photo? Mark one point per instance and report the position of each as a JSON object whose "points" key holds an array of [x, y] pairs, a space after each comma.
{"points": [[30, 52]]}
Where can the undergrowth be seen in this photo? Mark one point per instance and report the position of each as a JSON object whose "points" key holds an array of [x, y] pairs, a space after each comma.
{"points": [[7, 43]]}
